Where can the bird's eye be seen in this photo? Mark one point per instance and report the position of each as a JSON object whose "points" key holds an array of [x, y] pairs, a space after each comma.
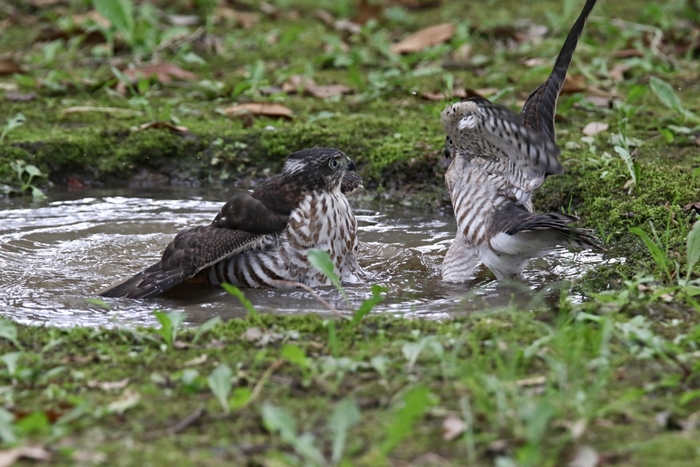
{"points": [[334, 164]]}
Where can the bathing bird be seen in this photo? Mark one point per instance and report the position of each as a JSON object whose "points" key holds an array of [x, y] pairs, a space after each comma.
{"points": [[261, 239], [498, 159]]}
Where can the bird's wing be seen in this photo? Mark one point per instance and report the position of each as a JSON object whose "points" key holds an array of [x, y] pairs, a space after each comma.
{"points": [[539, 109], [238, 227], [191, 251], [488, 131]]}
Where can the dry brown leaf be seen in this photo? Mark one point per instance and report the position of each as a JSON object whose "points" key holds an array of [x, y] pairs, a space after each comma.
{"points": [[574, 83], [585, 456], [578, 428], [459, 93], [598, 101], [533, 62], [628, 53], [183, 20], [366, 11], [694, 206], [452, 427], [91, 16], [10, 456], [160, 126], [163, 71], [9, 67], [108, 110], [196, 361], [345, 25], [14, 96], [425, 38], [325, 17], [463, 53], [245, 20], [261, 337], [593, 128], [262, 108], [297, 83], [533, 381], [108, 385], [618, 71]]}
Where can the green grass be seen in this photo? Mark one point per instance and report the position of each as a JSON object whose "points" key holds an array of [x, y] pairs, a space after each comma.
{"points": [[618, 373]]}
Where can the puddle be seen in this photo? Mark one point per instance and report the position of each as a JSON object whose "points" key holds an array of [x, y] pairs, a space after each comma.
{"points": [[57, 254]]}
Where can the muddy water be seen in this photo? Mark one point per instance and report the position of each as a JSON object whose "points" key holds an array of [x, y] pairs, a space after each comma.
{"points": [[56, 255]]}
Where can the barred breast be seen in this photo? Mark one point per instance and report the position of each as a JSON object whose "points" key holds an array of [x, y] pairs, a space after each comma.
{"points": [[323, 220]]}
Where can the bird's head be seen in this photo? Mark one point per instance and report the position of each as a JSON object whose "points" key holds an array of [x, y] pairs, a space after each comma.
{"points": [[322, 168]]}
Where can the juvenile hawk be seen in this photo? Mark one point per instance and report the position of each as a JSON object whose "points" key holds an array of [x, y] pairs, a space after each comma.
{"points": [[498, 159], [261, 238]]}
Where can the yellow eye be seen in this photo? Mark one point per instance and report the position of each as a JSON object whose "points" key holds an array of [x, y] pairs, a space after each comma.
{"points": [[334, 164]]}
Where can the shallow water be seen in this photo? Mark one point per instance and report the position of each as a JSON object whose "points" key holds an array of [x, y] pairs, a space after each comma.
{"points": [[56, 255]]}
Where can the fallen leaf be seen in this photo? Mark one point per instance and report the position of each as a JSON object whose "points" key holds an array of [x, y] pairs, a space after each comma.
{"points": [[108, 110], [533, 62], [618, 71], [460, 93], [300, 83], [628, 53], [128, 400], [598, 101], [14, 96], [694, 206], [325, 17], [196, 361], [367, 11], [578, 428], [261, 337], [10, 456], [108, 385], [574, 83], [245, 20], [462, 53], [161, 125], [164, 72], [183, 20], [425, 38], [585, 456], [263, 108], [345, 25], [534, 381], [593, 128], [452, 427], [9, 67], [91, 17]]}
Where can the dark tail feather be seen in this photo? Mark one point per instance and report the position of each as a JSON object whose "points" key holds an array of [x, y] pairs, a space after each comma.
{"points": [[540, 108], [149, 283], [557, 223]]}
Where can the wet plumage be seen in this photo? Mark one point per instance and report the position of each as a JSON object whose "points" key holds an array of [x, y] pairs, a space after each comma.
{"points": [[261, 238], [498, 159]]}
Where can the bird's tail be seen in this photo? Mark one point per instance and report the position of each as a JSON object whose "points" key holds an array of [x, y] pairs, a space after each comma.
{"points": [[149, 283], [522, 232], [539, 109]]}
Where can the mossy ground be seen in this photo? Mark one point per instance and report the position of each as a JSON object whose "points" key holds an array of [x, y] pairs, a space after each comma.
{"points": [[614, 365]]}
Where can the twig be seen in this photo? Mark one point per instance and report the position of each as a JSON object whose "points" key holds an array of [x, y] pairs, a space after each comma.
{"points": [[261, 382], [333, 309], [187, 421]]}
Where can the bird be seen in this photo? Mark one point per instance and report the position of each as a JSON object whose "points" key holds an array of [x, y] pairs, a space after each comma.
{"points": [[261, 238], [498, 159]]}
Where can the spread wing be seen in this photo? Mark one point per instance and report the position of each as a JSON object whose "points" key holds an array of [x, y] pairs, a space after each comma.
{"points": [[539, 109], [493, 136], [238, 227]]}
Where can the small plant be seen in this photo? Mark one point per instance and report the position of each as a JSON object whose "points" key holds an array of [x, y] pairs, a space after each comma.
{"points": [[16, 121], [26, 174], [220, 384], [169, 325], [345, 415]]}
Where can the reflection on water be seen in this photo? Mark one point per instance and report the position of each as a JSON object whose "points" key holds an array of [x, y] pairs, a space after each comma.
{"points": [[55, 256]]}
